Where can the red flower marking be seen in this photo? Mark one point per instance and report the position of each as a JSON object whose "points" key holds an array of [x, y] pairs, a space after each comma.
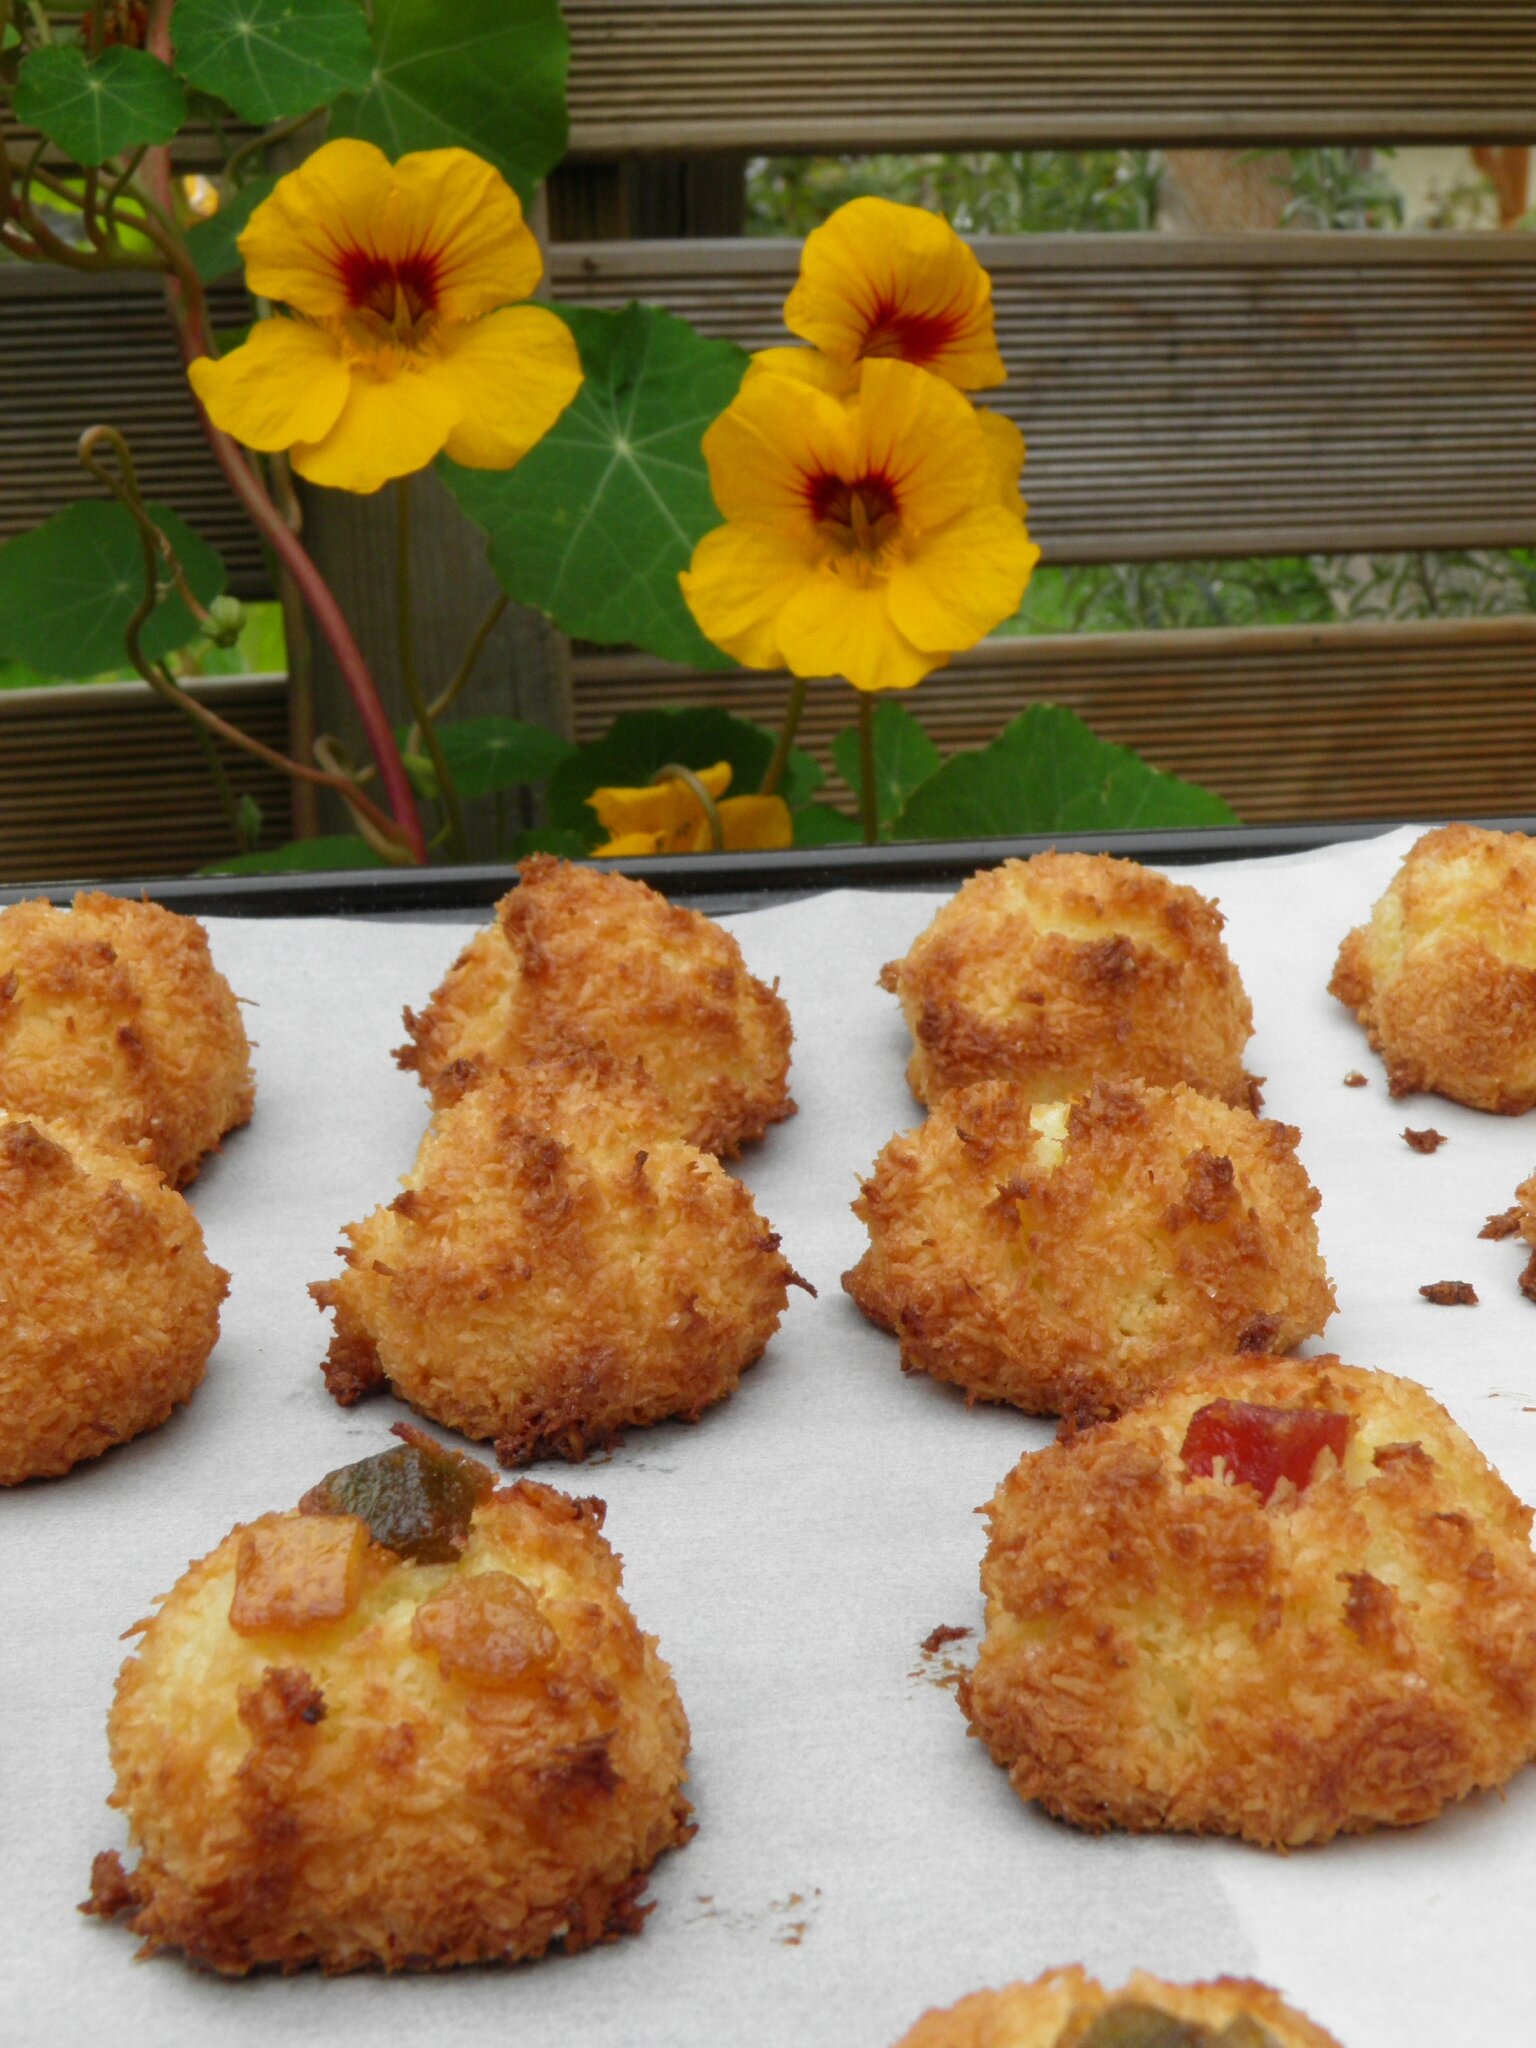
{"points": [[913, 337], [1261, 1446], [378, 284]]}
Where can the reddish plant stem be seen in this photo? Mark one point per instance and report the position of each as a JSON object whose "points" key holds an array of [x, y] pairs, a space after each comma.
{"points": [[185, 299]]}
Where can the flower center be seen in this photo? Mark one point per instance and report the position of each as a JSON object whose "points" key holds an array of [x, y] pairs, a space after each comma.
{"points": [[857, 519], [398, 294], [912, 337]]}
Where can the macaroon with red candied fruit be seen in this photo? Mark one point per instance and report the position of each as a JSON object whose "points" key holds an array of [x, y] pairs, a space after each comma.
{"points": [[1282, 1599], [407, 1725]]}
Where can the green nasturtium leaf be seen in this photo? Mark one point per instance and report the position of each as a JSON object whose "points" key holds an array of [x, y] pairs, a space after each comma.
{"points": [[820, 825], [212, 243], [595, 523], [640, 742], [549, 839], [1047, 772], [95, 109], [485, 75], [68, 589], [905, 757], [301, 856], [271, 58], [487, 754]]}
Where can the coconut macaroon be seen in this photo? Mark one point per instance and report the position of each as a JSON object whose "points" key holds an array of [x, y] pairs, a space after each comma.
{"points": [[1444, 975], [114, 1018], [1071, 1258], [1284, 1600], [1070, 968], [579, 955], [410, 1724], [554, 1272], [110, 1303], [1069, 2009]]}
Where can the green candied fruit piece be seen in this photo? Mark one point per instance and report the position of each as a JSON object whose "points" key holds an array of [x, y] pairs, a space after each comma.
{"points": [[1143, 2026], [417, 1500]]}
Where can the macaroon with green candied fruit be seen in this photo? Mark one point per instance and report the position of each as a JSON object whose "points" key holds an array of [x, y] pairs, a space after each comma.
{"points": [[407, 1725], [1069, 2009]]}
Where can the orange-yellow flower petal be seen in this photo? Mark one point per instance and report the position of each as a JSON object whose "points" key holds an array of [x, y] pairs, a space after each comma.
{"points": [[756, 824], [807, 366], [294, 242], [955, 586], [921, 435], [879, 279], [1007, 446], [633, 846], [514, 372], [286, 383], [462, 210], [768, 441], [390, 426], [832, 627], [739, 581]]}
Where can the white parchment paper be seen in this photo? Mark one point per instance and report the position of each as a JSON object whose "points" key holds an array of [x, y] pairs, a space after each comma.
{"points": [[859, 1858]]}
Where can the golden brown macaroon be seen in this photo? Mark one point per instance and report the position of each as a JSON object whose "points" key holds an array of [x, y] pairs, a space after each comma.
{"points": [[1285, 1600], [423, 1733], [114, 1018], [1072, 1258], [1071, 968], [1069, 2009], [578, 955], [552, 1273], [109, 1302], [1444, 976]]}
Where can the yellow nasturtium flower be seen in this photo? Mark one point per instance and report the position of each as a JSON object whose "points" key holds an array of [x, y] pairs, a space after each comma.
{"points": [[403, 340], [879, 279], [869, 537], [667, 817]]}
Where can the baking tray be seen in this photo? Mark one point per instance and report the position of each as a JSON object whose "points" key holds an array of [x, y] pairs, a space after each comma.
{"points": [[858, 1858]]}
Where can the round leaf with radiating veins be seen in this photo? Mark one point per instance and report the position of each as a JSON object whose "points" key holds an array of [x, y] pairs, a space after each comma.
{"points": [[271, 58], [595, 524], [69, 588], [486, 75], [96, 109]]}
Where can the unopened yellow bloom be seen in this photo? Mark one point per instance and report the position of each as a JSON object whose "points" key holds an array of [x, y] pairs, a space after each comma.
{"points": [[879, 279], [667, 817], [403, 341], [865, 537]]}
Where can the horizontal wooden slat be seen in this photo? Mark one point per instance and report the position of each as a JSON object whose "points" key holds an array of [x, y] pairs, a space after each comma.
{"points": [[1369, 721], [1224, 395], [107, 780], [78, 350], [835, 75]]}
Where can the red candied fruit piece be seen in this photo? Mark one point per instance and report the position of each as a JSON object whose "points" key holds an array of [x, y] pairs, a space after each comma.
{"points": [[1261, 1446]]}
